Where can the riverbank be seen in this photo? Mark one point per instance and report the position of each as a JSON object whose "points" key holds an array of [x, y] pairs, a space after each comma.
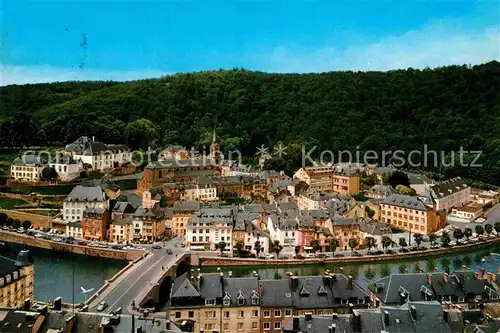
{"points": [[12, 237], [200, 260]]}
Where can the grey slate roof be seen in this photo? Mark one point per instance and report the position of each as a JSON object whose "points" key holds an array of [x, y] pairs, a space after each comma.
{"points": [[405, 201], [93, 211], [276, 294], [7, 266], [29, 160], [63, 159], [419, 179], [448, 187], [186, 206], [244, 289], [86, 193], [123, 207], [182, 287], [86, 146], [383, 190]]}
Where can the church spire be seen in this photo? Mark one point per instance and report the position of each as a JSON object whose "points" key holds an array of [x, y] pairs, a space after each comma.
{"points": [[214, 141]]}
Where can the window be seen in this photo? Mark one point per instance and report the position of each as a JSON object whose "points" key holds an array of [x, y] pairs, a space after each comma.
{"points": [[277, 325], [226, 314], [209, 314], [210, 302], [226, 327], [288, 313], [241, 301], [177, 314], [277, 313], [267, 326], [255, 313], [191, 314], [255, 326], [241, 314], [227, 302], [208, 327], [267, 314], [240, 326]]}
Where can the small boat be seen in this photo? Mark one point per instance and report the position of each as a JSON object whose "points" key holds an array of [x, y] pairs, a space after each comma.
{"points": [[493, 254]]}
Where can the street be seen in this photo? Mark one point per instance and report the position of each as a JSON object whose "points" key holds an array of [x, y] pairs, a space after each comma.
{"points": [[124, 291]]}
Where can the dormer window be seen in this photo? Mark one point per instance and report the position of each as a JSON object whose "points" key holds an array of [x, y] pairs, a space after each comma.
{"points": [[227, 300], [255, 298], [210, 302], [240, 298]]}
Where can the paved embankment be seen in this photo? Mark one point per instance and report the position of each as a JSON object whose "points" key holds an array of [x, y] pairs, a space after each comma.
{"points": [[199, 259], [12, 237]]}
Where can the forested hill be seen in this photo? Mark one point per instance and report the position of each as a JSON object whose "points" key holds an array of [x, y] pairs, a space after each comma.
{"points": [[445, 108]]}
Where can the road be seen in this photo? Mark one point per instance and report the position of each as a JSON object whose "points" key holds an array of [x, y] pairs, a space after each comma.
{"points": [[126, 289]]}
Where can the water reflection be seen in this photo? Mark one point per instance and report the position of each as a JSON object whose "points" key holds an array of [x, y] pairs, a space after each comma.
{"points": [[363, 273]]}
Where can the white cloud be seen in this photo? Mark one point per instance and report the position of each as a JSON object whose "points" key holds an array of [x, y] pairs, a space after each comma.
{"points": [[437, 44], [40, 74]]}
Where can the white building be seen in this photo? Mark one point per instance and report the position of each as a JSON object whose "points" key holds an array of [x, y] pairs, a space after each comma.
{"points": [[210, 227], [97, 155], [74, 229], [67, 167], [450, 194], [82, 197], [28, 168], [286, 231]]}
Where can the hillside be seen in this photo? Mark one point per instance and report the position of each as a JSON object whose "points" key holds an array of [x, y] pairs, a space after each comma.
{"points": [[444, 108]]}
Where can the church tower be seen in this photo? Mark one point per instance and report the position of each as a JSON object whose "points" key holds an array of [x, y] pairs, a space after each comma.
{"points": [[214, 149]]}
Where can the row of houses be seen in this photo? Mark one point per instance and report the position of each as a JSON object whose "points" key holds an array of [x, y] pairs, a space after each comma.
{"points": [[219, 302], [83, 154]]}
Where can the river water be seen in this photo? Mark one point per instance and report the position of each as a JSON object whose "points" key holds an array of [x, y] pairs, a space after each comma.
{"points": [[54, 273], [365, 273]]}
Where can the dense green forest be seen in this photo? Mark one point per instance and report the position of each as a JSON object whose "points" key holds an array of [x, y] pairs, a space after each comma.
{"points": [[444, 108]]}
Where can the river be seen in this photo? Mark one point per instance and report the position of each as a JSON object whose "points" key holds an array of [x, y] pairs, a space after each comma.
{"points": [[365, 273], [54, 273]]}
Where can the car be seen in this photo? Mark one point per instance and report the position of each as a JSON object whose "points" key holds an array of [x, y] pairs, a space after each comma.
{"points": [[379, 252], [156, 247], [356, 254], [452, 243], [46, 237], [103, 305], [38, 235], [390, 252], [321, 255], [169, 252], [117, 311], [82, 243], [116, 247], [183, 245]]}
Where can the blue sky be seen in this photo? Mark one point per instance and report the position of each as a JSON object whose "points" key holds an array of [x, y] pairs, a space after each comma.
{"points": [[42, 41]]}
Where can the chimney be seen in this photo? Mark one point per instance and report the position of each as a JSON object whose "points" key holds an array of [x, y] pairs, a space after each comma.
{"points": [[58, 304], [356, 322], [218, 269], [294, 282], [296, 323], [27, 304], [429, 279], [308, 316], [167, 324], [69, 322], [335, 316], [445, 277], [230, 274], [350, 282], [221, 276], [133, 324], [331, 329], [445, 316], [413, 312], [139, 329], [93, 138], [386, 318], [260, 290], [481, 273], [351, 308]]}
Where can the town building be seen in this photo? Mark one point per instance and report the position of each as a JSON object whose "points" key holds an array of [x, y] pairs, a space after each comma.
{"points": [[206, 229], [81, 198], [181, 213], [28, 168], [214, 302], [420, 183], [74, 229], [17, 278], [345, 229], [97, 155], [466, 213], [121, 229], [412, 317], [121, 208], [450, 193], [67, 167], [148, 224], [327, 179], [95, 224], [151, 197], [460, 287], [247, 230], [409, 213], [380, 191]]}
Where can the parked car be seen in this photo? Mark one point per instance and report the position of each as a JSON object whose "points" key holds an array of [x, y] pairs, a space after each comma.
{"points": [[156, 247], [82, 243], [116, 247], [320, 255], [103, 305], [169, 252]]}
